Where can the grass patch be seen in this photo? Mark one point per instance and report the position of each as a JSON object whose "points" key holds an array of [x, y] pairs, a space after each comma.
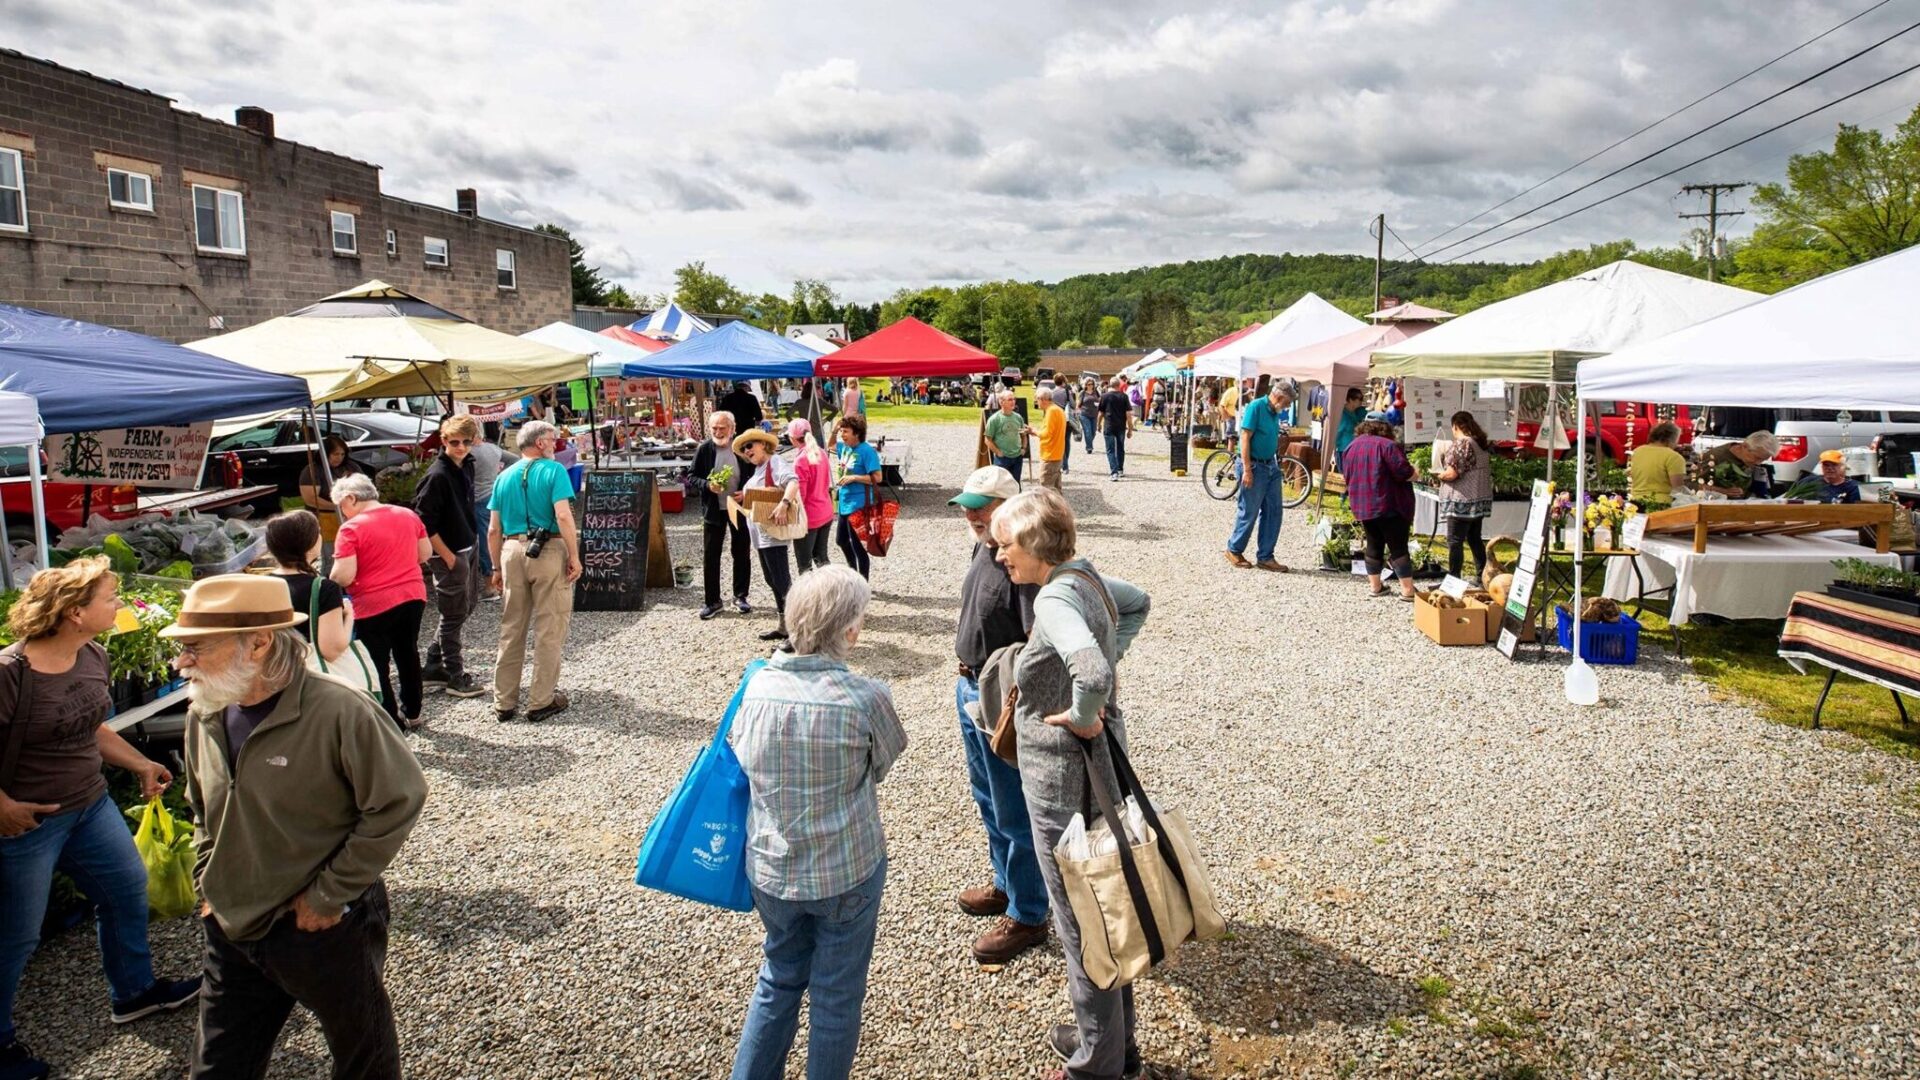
{"points": [[1398, 1027], [1434, 988]]}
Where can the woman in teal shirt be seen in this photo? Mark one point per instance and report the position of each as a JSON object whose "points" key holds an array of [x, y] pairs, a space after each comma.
{"points": [[1350, 417], [858, 467]]}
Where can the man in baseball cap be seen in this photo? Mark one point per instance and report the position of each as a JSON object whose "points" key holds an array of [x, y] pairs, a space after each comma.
{"points": [[303, 791], [1835, 485], [994, 612]]}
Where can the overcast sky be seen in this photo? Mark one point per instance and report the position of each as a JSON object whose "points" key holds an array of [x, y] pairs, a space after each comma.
{"points": [[880, 144]]}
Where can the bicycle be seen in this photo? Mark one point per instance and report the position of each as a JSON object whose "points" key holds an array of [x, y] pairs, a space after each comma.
{"points": [[1220, 476]]}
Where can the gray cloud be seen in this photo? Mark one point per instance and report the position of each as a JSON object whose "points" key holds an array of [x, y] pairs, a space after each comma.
{"points": [[684, 192]]}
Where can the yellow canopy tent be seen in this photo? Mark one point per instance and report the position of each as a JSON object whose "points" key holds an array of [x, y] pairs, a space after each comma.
{"points": [[376, 340]]}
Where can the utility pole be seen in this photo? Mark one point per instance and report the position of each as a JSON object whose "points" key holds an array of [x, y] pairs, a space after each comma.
{"points": [[1713, 215], [1379, 231]]}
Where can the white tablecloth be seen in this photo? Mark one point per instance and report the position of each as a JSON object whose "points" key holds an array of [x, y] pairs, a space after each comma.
{"points": [[1738, 577], [1509, 516], [897, 454]]}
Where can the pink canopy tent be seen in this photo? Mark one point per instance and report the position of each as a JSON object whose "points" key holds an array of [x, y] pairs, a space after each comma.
{"points": [[1339, 364], [638, 341]]}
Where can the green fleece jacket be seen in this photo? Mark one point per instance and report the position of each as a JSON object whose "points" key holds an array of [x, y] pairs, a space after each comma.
{"points": [[323, 794]]}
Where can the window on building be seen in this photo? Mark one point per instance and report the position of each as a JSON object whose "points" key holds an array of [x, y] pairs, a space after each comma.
{"points": [[219, 222], [129, 190], [393, 243], [346, 238], [13, 192], [503, 265], [436, 251]]}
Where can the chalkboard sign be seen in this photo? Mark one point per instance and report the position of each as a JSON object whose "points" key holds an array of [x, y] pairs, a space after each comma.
{"points": [[616, 510]]}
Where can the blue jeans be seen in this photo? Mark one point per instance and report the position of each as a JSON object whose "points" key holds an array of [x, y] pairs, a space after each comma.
{"points": [[1258, 501], [1066, 452], [1116, 452], [1003, 810], [1089, 426], [820, 948], [94, 847], [482, 518], [1011, 464]]}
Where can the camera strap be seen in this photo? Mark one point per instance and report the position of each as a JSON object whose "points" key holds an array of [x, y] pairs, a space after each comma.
{"points": [[526, 467]]}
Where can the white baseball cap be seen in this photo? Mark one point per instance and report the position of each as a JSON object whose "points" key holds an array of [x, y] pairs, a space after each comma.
{"points": [[984, 486]]}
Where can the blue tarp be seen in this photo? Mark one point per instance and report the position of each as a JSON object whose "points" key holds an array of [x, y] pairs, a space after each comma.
{"points": [[88, 377], [734, 351]]}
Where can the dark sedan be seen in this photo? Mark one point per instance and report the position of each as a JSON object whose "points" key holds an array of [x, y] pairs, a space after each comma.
{"points": [[277, 451]]}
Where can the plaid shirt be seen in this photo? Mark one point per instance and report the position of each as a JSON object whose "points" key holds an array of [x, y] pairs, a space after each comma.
{"points": [[814, 739], [1379, 479]]}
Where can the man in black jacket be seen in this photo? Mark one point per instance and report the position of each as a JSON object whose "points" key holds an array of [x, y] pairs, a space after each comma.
{"points": [[743, 407], [444, 501], [715, 455]]}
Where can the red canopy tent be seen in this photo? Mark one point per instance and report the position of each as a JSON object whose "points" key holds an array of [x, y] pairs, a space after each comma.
{"points": [[908, 347], [638, 341]]}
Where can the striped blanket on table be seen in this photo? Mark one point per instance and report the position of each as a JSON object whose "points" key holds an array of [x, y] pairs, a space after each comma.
{"points": [[1881, 647]]}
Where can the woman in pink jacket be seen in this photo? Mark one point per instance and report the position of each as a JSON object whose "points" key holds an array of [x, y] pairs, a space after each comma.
{"points": [[814, 468]]}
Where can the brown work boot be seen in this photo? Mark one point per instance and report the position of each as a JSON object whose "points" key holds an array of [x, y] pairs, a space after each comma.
{"points": [[983, 901], [1007, 940], [1269, 564], [1238, 561]]}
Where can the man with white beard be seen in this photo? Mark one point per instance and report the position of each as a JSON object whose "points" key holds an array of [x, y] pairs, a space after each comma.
{"points": [[303, 792]]}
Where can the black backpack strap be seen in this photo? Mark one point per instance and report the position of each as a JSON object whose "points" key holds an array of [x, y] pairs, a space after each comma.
{"points": [[20, 676]]}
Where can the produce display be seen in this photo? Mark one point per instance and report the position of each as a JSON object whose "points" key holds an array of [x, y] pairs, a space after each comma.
{"points": [[1514, 476], [139, 656], [183, 547]]}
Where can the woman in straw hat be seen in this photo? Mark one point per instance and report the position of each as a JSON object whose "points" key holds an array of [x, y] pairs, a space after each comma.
{"points": [[770, 473]]}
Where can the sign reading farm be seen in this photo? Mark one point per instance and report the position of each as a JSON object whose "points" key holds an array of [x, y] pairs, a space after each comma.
{"points": [[162, 457]]}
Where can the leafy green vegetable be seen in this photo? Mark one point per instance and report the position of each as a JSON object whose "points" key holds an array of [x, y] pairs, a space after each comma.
{"points": [[120, 554]]}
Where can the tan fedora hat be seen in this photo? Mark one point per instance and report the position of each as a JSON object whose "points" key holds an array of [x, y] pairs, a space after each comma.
{"points": [[235, 603]]}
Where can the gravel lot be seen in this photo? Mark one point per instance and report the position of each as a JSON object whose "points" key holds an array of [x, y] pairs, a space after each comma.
{"points": [[1433, 866]]}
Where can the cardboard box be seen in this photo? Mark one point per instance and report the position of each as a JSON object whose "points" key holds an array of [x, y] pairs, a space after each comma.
{"points": [[1484, 602], [1450, 626]]}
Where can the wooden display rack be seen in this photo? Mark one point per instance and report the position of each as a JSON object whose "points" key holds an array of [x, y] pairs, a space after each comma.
{"points": [[1772, 519]]}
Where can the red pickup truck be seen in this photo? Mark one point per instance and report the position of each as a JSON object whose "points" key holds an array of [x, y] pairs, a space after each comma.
{"points": [[67, 505], [1623, 426]]}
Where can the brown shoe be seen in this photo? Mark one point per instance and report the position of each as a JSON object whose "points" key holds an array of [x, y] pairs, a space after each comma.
{"points": [[1238, 561], [1007, 940], [983, 901], [1278, 568]]}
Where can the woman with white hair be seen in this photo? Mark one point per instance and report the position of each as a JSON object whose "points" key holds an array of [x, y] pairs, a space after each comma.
{"points": [[377, 560], [815, 740], [1082, 625], [1737, 470]]}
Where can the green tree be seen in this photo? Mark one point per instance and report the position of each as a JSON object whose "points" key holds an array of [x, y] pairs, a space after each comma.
{"points": [[923, 304], [700, 290], [1862, 198], [618, 297], [798, 312], [769, 312], [589, 288], [1779, 256], [964, 314], [1162, 319], [1111, 332], [1016, 322], [858, 325], [1076, 310]]}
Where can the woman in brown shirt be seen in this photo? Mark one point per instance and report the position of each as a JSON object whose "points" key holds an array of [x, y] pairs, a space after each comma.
{"points": [[54, 806]]}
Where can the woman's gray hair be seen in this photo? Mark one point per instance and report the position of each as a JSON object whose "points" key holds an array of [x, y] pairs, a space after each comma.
{"points": [[358, 485], [1666, 433], [826, 603], [1040, 522], [534, 432], [287, 655], [1764, 443]]}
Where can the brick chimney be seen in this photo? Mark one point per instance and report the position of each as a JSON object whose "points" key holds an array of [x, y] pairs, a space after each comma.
{"points": [[254, 119], [467, 201]]}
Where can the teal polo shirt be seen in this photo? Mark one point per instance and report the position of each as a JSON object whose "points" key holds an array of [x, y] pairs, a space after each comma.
{"points": [[1262, 424], [525, 493]]}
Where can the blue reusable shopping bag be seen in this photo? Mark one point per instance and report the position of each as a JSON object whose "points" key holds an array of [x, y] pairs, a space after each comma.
{"points": [[696, 846]]}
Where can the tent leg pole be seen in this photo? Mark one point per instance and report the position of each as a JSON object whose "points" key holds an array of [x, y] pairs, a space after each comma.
{"points": [[593, 426], [1579, 517]]}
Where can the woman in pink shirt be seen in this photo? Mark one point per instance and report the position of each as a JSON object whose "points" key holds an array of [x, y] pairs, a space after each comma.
{"points": [[377, 559], [814, 468]]}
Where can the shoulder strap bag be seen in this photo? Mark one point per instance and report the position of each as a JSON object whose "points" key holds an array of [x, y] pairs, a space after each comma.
{"points": [[1004, 741], [355, 666], [20, 675]]}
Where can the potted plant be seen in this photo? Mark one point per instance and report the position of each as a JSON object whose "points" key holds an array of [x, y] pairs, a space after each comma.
{"points": [[1885, 587]]}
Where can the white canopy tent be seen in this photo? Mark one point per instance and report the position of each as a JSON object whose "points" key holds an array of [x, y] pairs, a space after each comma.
{"points": [[1309, 321], [814, 341], [1144, 362], [1839, 341], [606, 354], [20, 426]]}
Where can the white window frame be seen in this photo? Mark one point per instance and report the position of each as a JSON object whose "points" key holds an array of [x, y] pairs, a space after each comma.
{"points": [[130, 204], [352, 232], [393, 244], [240, 214], [511, 269], [446, 252], [20, 174]]}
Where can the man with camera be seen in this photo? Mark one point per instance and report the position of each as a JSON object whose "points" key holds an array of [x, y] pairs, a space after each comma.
{"points": [[536, 557]]}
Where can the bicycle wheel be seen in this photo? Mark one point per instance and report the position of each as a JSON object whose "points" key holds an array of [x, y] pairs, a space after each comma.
{"points": [[1220, 475], [1296, 482]]}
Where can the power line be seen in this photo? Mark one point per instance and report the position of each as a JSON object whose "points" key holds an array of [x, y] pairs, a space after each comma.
{"points": [[1628, 138], [1404, 244], [1644, 158], [1696, 161]]}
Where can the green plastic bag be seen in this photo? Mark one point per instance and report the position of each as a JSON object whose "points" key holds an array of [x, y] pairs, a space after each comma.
{"points": [[167, 850]]}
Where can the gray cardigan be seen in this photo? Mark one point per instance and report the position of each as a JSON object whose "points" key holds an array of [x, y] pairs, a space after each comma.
{"points": [[1068, 666]]}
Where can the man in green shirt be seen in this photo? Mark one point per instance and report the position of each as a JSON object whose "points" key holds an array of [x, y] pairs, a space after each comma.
{"points": [[1007, 436]]}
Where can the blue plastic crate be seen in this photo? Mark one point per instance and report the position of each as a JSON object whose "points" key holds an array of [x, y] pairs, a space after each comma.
{"points": [[1602, 643]]}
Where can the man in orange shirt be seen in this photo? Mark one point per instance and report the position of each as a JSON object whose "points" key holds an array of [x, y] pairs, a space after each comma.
{"points": [[1053, 439]]}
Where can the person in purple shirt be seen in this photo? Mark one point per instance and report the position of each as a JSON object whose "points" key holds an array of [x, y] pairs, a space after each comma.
{"points": [[1380, 493]]}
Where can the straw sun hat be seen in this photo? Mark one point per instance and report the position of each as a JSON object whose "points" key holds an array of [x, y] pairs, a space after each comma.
{"points": [[748, 438], [232, 604]]}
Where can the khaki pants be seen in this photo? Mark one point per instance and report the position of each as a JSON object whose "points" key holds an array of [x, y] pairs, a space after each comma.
{"points": [[536, 591], [1050, 474]]}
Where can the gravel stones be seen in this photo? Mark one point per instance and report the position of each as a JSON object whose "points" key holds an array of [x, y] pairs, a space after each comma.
{"points": [[1433, 866]]}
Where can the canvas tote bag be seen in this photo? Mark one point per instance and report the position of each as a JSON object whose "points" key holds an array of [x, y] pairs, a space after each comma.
{"points": [[354, 666], [1135, 905]]}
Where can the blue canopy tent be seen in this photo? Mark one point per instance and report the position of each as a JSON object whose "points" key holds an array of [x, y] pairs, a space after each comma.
{"points": [[736, 350], [90, 378]]}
